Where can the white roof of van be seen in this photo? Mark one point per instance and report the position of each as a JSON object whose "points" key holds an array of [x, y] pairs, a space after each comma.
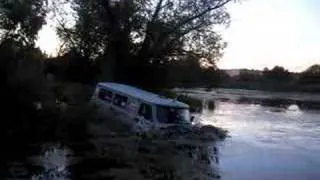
{"points": [[143, 95]]}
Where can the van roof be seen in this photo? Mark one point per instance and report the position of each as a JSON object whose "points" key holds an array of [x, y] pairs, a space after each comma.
{"points": [[143, 95]]}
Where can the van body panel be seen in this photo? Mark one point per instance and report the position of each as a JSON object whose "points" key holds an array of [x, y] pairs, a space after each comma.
{"points": [[131, 104], [143, 95]]}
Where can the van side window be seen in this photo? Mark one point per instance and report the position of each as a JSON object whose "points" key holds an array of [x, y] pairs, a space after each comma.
{"points": [[105, 95], [120, 101], [145, 111]]}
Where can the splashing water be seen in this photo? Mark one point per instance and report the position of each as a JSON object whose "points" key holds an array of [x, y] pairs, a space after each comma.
{"points": [[54, 161]]}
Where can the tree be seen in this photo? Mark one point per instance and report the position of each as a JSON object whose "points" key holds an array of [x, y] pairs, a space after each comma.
{"points": [[249, 75], [310, 75], [143, 32], [277, 74], [20, 62], [20, 22], [22, 19]]}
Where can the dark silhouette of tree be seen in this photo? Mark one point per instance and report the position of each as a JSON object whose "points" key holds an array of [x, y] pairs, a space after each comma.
{"points": [[20, 66], [143, 32], [249, 75], [277, 74], [311, 75], [21, 20]]}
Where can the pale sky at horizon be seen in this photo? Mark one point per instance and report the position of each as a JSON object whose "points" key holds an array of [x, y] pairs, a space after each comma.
{"points": [[263, 33]]}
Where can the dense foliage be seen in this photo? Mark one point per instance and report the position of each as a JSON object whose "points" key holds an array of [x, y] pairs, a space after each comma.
{"points": [[21, 20], [131, 40]]}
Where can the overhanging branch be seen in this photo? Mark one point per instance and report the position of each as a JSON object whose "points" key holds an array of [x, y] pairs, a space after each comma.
{"points": [[188, 20], [157, 11]]}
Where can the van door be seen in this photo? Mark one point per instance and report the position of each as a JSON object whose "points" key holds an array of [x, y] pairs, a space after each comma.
{"points": [[145, 118], [103, 100], [145, 112], [119, 108]]}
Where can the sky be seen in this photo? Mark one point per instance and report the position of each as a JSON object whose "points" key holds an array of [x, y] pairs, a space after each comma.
{"points": [[262, 33], [265, 33]]}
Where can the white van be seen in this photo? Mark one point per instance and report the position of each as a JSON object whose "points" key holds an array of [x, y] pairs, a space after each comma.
{"points": [[133, 105]]}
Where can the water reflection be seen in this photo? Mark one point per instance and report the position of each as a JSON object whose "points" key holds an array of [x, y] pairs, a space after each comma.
{"points": [[128, 158], [54, 162]]}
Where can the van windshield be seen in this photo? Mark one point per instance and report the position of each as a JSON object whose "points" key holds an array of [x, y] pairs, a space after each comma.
{"points": [[171, 115]]}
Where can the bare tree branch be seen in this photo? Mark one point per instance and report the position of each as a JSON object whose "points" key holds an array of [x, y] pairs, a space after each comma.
{"points": [[157, 11], [67, 31], [219, 5]]}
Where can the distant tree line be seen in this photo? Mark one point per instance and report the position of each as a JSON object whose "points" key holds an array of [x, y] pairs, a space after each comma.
{"points": [[276, 79]]}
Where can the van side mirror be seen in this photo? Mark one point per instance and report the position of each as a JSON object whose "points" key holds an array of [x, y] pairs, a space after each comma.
{"points": [[192, 118]]}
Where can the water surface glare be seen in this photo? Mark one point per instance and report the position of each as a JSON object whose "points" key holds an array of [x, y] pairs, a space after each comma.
{"points": [[267, 142]]}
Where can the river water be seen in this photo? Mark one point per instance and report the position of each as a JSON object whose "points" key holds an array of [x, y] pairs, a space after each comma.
{"points": [[267, 142]]}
